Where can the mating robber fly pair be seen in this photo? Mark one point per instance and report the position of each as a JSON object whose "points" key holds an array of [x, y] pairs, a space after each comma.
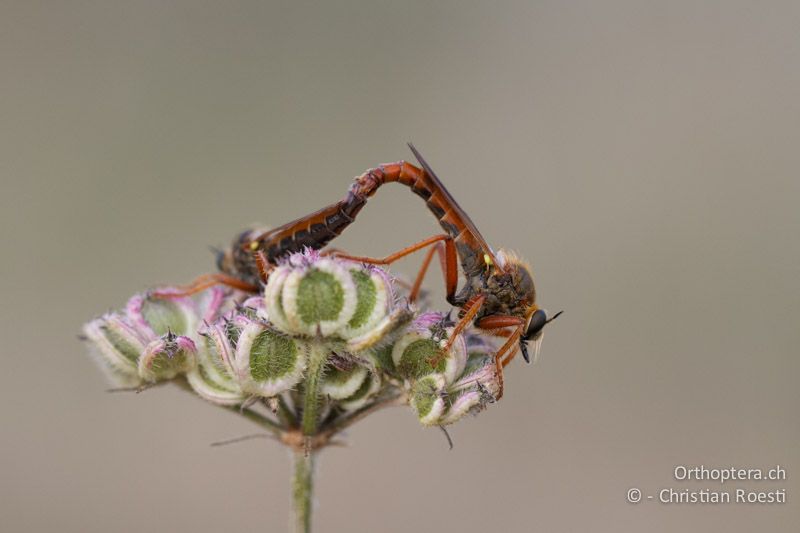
{"points": [[498, 295]]}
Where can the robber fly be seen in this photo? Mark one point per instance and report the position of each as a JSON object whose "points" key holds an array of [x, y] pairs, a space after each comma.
{"points": [[498, 295]]}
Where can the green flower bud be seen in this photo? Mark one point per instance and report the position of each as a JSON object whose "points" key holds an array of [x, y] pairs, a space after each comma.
{"points": [[162, 316], [319, 300], [314, 296], [273, 299], [266, 362], [368, 388], [213, 378], [340, 384], [373, 300], [382, 331], [419, 351], [167, 357], [461, 403], [117, 347], [427, 398], [479, 383]]}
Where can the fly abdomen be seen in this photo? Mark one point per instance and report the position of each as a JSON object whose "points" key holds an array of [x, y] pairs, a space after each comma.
{"points": [[312, 231]]}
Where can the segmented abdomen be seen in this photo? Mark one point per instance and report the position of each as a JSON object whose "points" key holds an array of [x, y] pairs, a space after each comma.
{"points": [[321, 227]]}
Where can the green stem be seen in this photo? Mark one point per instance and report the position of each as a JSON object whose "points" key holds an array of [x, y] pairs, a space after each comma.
{"points": [[316, 364], [302, 486], [304, 459]]}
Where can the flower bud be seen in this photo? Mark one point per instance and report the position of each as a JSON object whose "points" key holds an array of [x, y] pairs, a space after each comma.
{"points": [[419, 351], [158, 316], [166, 357], [427, 398], [213, 378], [479, 383], [316, 299], [369, 387], [373, 300], [117, 346], [340, 384], [155, 338], [266, 362], [312, 295], [481, 370]]}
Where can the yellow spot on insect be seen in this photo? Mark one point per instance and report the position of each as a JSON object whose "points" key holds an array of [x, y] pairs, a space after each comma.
{"points": [[487, 259], [254, 246]]}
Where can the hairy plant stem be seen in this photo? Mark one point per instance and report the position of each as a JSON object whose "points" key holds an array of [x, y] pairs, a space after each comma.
{"points": [[302, 485], [316, 365]]}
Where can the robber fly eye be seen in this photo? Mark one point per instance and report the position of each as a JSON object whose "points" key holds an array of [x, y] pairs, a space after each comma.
{"points": [[538, 321]]}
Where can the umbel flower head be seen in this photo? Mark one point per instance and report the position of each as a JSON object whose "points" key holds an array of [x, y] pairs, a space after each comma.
{"points": [[327, 341]]}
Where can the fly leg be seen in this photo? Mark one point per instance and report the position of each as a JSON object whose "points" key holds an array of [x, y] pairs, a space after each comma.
{"points": [[207, 281], [447, 256], [495, 324], [470, 311], [448, 261], [202, 283]]}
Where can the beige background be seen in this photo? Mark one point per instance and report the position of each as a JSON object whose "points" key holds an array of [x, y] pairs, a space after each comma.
{"points": [[643, 155]]}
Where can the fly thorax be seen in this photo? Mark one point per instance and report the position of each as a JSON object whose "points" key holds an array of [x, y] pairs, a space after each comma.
{"points": [[511, 287]]}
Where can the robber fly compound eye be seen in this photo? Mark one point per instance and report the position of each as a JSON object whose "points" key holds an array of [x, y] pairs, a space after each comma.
{"points": [[536, 324]]}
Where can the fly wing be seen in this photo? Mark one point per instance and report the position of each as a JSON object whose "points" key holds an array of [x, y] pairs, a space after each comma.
{"points": [[472, 247]]}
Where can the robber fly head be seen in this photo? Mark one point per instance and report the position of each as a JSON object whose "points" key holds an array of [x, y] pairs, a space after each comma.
{"points": [[511, 282]]}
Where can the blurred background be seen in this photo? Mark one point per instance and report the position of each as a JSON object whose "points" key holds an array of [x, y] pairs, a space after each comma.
{"points": [[643, 155]]}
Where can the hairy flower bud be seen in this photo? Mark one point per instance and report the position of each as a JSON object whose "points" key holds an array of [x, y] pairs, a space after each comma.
{"points": [[213, 379], [166, 357], [316, 298], [267, 362], [428, 399], [368, 389], [326, 297], [419, 351], [117, 346], [438, 402], [153, 339], [339, 384]]}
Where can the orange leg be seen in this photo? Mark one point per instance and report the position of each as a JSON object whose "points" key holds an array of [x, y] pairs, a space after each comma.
{"points": [[332, 251], [341, 253], [448, 258], [264, 266], [469, 315], [496, 325], [415, 288], [448, 261], [202, 283], [470, 310], [504, 333], [510, 348], [499, 321]]}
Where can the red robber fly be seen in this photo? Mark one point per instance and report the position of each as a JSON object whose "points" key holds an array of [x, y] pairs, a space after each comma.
{"points": [[498, 295]]}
